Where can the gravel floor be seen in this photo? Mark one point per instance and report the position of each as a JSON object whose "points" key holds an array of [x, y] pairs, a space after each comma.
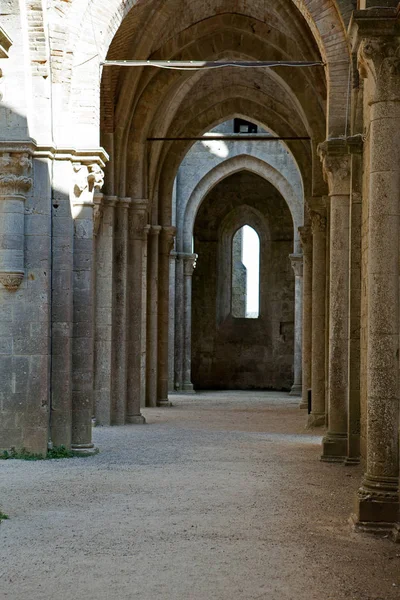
{"points": [[221, 497]]}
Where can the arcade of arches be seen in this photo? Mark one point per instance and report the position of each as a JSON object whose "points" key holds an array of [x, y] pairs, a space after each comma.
{"points": [[101, 310]]}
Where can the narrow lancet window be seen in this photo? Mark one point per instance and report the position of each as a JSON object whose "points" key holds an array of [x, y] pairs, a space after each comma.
{"points": [[246, 273]]}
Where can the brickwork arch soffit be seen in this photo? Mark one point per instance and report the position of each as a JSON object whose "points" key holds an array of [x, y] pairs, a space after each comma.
{"points": [[226, 169], [141, 28]]}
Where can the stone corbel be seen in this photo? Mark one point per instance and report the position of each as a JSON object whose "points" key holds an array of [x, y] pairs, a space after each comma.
{"points": [[189, 263], [139, 209], [15, 182], [167, 240], [306, 239], [88, 181], [296, 261], [318, 223]]}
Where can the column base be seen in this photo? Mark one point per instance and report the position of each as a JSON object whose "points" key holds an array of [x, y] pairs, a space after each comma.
{"points": [[187, 388], [351, 461], [296, 390], [303, 405], [135, 420], [164, 404], [334, 447], [377, 506], [396, 533], [84, 449], [316, 420]]}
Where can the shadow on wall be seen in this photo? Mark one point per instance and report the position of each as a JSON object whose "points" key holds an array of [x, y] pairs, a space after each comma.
{"points": [[36, 274]]}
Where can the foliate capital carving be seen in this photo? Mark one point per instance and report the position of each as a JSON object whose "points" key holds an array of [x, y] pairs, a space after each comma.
{"points": [[305, 239], [15, 169], [11, 281], [88, 180], [167, 239], [296, 261], [335, 157], [318, 223], [379, 59]]}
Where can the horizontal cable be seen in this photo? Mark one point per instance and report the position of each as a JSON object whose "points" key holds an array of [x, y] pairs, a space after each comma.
{"points": [[195, 65], [230, 138]]}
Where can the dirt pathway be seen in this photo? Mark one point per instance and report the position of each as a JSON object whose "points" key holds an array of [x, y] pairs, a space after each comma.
{"points": [[221, 497]]}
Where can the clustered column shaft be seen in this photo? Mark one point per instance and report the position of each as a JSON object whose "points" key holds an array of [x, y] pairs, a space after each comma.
{"points": [[166, 244], [297, 265], [189, 265], [317, 416], [306, 243], [138, 230], [336, 163]]}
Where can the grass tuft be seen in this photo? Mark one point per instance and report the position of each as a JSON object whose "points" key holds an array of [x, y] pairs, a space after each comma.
{"points": [[54, 453]]}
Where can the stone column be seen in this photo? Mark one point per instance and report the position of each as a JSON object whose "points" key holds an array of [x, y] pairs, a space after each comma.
{"points": [[377, 506], [355, 144], [61, 305], [179, 322], [138, 231], [120, 313], [306, 243], [188, 268], [317, 416], [152, 316], [171, 321], [104, 212], [336, 164], [88, 179], [297, 266], [166, 244]]}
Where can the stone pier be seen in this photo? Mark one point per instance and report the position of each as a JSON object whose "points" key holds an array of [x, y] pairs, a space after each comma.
{"points": [[377, 504]]}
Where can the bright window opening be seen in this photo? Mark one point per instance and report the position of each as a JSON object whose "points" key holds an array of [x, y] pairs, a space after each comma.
{"points": [[246, 273]]}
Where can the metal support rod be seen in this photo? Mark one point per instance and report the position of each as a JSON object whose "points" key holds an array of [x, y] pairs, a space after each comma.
{"points": [[209, 64], [229, 138]]}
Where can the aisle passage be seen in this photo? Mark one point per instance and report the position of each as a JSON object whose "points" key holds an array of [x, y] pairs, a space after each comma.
{"points": [[221, 497]]}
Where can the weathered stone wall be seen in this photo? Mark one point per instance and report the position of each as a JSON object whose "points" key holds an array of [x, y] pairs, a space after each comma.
{"points": [[244, 353]]}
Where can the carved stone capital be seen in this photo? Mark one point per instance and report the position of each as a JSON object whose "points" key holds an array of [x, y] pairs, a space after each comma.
{"points": [[296, 261], [335, 158], [306, 239], [155, 230], [167, 240], [11, 281], [375, 38], [138, 218], [318, 223], [189, 263], [124, 203], [15, 168], [88, 180]]}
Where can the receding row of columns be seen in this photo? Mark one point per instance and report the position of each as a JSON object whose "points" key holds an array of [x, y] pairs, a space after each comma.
{"points": [[351, 328]]}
